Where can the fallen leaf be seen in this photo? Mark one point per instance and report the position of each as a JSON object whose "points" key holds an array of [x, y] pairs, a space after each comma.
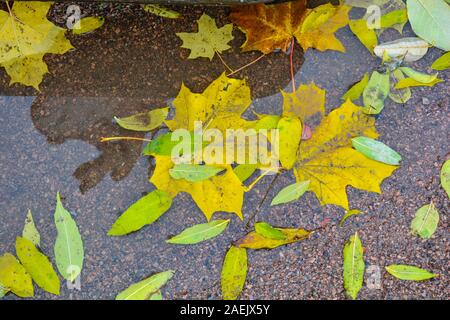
{"points": [[398, 95], [69, 251], [368, 37], [156, 296], [245, 171], [429, 20], [445, 177], [234, 272], [442, 63], [3, 292], [410, 82], [256, 241], [290, 134], [200, 232], [267, 231], [145, 211], [307, 101], [376, 150], [418, 76], [87, 25], [395, 19], [353, 266], [37, 265], [349, 213], [290, 193], [425, 221], [145, 121], [145, 288], [29, 230], [376, 91], [161, 11], [14, 277], [193, 172], [357, 89], [209, 39], [409, 49], [405, 272], [330, 163], [26, 37]]}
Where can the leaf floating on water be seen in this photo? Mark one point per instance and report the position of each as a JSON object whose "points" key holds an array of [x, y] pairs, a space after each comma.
{"points": [[267, 231], [234, 272], [88, 24], [357, 89], [442, 63], [69, 251], [398, 95], [376, 91], [145, 121], [256, 241], [367, 36], [429, 20], [376, 150], [353, 266], [290, 193], [37, 265], [143, 212], [409, 49], [349, 213], [445, 177], [193, 172], [410, 82], [200, 232], [146, 288], [425, 221], [29, 230], [14, 277], [405, 272], [161, 11], [290, 134]]}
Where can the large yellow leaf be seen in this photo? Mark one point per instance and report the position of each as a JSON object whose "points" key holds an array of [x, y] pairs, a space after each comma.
{"points": [[305, 102], [330, 163], [14, 278], [26, 36]]}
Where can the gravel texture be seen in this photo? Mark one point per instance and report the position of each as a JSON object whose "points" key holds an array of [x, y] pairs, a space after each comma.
{"points": [[50, 143]]}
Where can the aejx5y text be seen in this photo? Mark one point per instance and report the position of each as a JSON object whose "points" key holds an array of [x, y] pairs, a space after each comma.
{"points": [[227, 309]]}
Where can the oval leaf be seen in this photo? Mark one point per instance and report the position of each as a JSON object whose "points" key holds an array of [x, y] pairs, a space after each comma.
{"points": [[87, 25], [29, 230], [145, 121], [161, 11], [234, 272], [290, 134], [445, 177], [290, 193], [410, 82], [357, 89], [375, 93], [425, 221], [143, 212], [14, 277], [418, 76], [409, 49], [353, 266], [256, 241], [200, 232], [37, 265], [398, 95], [145, 288], [69, 252], [405, 272], [376, 150], [193, 172], [442, 63], [267, 231]]}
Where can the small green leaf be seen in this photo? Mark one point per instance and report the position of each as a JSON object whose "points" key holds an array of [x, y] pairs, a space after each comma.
{"points": [[37, 265], [145, 288], [290, 193], [69, 251], [425, 221], [442, 63], [200, 232], [398, 95], [445, 177], [357, 89], [405, 272], [29, 230], [193, 172], [376, 150], [267, 231], [244, 171], [353, 266], [348, 214], [143, 212], [234, 272], [395, 19], [161, 11], [418, 76], [87, 25], [375, 93], [145, 121]]}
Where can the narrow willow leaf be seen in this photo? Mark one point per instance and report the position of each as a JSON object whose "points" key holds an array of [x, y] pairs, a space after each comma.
{"points": [[353, 266], [398, 95], [376, 150], [410, 82], [375, 93], [145, 288], [445, 177], [418, 76], [161, 11], [37, 265], [290, 193], [348, 214], [425, 221], [88, 24], [145, 121], [143, 212], [429, 20], [255, 241], [368, 37], [244, 171], [200, 232], [14, 277], [405, 272], [193, 172], [29, 230], [442, 63], [69, 251], [267, 231], [409, 49], [234, 272], [156, 296], [357, 89]]}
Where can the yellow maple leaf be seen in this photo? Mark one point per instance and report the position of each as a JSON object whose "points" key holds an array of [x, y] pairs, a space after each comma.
{"points": [[331, 164], [26, 36], [305, 102]]}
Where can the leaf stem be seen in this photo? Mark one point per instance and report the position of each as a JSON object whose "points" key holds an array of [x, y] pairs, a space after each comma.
{"points": [[247, 65], [224, 63], [291, 56]]}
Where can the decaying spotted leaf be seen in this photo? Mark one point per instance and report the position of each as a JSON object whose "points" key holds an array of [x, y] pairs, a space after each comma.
{"points": [[290, 134], [376, 92], [234, 272], [87, 24], [145, 121], [305, 102], [14, 277], [425, 221], [161, 11], [256, 241], [398, 95], [29, 230], [353, 266]]}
